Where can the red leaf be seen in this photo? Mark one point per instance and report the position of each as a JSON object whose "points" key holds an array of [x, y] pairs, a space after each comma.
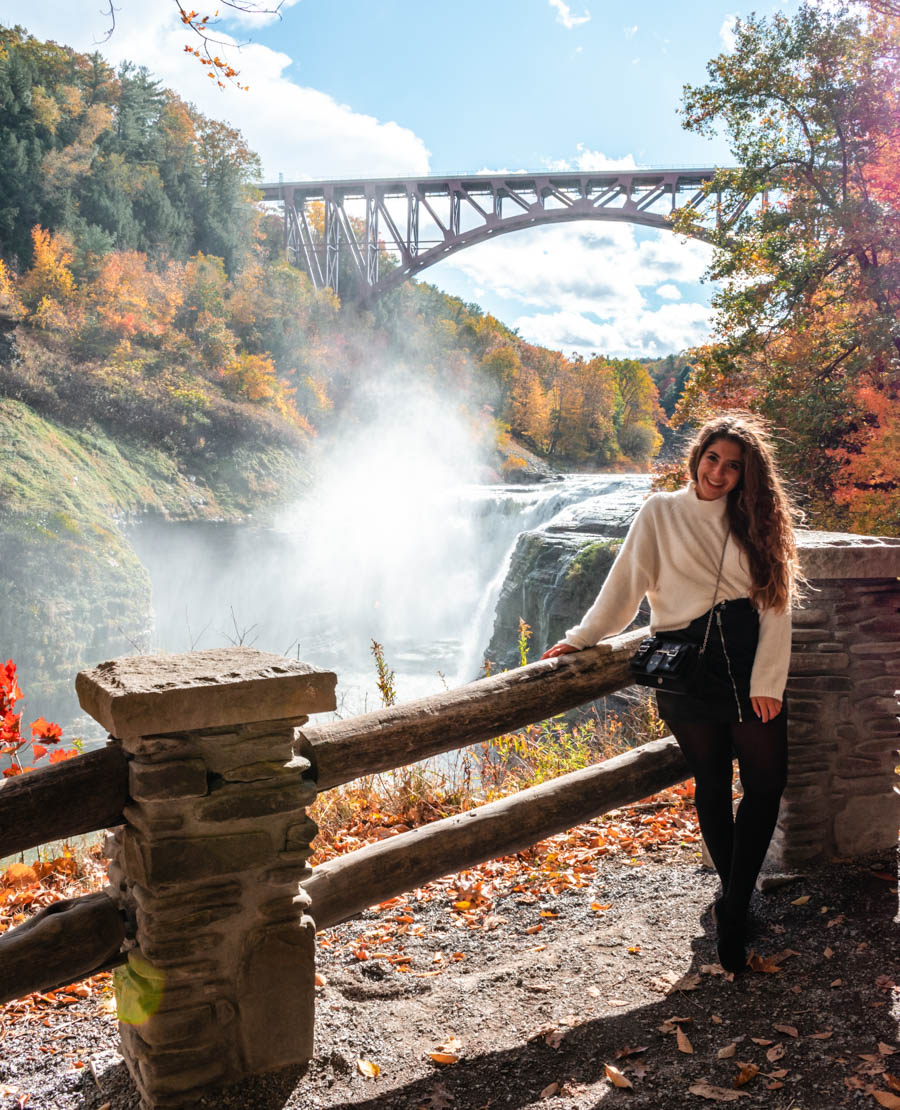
{"points": [[45, 730]]}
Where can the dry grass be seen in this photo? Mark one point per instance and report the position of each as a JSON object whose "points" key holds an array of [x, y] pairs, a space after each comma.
{"points": [[399, 800]]}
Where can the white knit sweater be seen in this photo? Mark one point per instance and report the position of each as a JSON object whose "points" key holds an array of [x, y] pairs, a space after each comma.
{"points": [[671, 554]]}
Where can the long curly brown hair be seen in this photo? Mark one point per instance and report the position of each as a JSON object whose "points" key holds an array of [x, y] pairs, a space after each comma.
{"points": [[759, 510]]}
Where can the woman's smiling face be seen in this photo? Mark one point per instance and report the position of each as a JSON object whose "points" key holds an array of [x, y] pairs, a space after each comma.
{"points": [[719, 469]]}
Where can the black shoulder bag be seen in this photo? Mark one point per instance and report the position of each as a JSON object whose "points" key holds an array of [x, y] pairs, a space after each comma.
{"points": [[670, 664]]}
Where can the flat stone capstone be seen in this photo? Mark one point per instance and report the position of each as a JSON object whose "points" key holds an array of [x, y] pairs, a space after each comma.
{"points": [[143, 695]]}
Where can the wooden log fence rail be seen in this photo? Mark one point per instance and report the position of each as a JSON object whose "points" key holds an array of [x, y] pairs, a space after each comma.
{"points": [[212, 908], [343, 887], [90, 792]]}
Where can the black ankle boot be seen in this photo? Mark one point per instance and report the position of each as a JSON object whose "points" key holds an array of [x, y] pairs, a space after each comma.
{"points": [[731, 938]]}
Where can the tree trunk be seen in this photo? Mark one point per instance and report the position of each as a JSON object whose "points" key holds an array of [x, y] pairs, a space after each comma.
{"points": [[344, 886], [480, 711]]}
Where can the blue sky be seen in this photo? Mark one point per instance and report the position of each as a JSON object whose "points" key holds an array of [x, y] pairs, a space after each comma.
{"points": [[375, 87], [504, 83]]}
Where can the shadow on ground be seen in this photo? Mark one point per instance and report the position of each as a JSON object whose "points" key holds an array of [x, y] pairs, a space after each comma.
{"points": [[835, 986]]}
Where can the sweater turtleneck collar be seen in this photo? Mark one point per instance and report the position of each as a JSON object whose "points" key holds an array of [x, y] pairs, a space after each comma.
{"points": [[711, 510]]}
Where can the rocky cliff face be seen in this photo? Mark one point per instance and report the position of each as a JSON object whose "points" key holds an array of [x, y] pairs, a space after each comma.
{"points": [[557, 570], [73, 590]]}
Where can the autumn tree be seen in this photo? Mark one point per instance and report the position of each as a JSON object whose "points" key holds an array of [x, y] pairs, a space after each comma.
{"points": [[529, 410], [49, 289], [639, 412], [808, 309], [114, 160]]}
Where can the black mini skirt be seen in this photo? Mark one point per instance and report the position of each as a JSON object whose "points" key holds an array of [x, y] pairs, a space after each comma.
{"points": [[725, 669]]}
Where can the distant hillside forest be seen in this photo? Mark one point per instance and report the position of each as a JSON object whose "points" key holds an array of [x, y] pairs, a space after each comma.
{"points": [[148, 294], [144, 293]]}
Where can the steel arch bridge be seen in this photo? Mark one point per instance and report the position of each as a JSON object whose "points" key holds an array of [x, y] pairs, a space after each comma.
{"points": [[423, 220]]}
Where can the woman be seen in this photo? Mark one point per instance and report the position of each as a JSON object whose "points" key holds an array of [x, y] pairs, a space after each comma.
{"points": [[727, 535]]}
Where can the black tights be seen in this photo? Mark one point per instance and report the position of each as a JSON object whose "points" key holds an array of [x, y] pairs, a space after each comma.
{"points": [[737, 845]]}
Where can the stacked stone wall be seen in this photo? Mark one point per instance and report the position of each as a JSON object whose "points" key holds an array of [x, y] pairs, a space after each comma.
{"points": [[208, 868], [842, 795], [219, 981]]}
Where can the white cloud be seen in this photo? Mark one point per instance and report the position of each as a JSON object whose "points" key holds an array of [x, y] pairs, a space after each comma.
{"points": [[669, 292], [586, 267], [670, 329], [727, 32], [630, 32], [565, 17], [298, 131], [598, 277], [588, 160]]}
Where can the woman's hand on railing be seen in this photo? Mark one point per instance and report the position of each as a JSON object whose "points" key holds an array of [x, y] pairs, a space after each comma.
{"points": [[558, 649]]}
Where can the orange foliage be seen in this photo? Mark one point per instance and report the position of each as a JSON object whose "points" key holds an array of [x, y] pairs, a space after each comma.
{"points": [[130, 299], [870, 461]]}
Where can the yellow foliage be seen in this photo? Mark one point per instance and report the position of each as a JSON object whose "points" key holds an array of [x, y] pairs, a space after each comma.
{"points": [[11, 308], [512, 463], [319, 389], [46, 110], [49, 315], [62, 167], [72, 100], [49, 288]]}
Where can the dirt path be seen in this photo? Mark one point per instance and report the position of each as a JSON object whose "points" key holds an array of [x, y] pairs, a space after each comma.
{"points": [[537, 994]]}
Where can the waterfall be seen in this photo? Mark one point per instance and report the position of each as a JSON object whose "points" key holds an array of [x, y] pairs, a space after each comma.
{"points": [[419, 570]]}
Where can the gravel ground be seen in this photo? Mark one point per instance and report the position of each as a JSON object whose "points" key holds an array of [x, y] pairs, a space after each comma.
{"points": [[527, 1016]]}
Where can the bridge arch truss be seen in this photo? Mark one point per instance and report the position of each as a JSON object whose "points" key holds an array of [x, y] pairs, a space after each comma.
{"points": [[423, 220]]}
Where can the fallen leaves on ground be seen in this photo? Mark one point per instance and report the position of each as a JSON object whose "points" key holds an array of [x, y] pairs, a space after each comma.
{"points": [[762, 963], [617, 1078], [448, 1052], [561, 863], [684, 1045], [747, 1072], [438, 1098], [719, 1094]]}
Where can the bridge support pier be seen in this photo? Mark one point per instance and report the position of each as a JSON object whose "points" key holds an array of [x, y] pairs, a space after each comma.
{"points": [[209, 862]]}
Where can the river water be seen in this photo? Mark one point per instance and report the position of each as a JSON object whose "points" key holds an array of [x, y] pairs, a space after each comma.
{"points": [[418, 571]]}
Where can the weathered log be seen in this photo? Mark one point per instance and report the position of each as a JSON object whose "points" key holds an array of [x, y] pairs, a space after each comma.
{"points": [[344, 886], [83, 794], [67, 941], [479, 711]]}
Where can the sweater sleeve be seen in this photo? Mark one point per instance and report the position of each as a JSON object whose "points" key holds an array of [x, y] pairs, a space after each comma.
{"points": [[773, 655], [631, 575]]}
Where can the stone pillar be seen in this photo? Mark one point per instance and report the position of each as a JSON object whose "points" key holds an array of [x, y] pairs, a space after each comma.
{"points": [[842, 796], [219, 982]]}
